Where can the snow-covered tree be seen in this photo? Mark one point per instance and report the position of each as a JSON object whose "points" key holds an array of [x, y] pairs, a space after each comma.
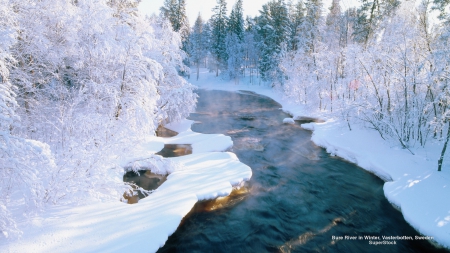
{"points": [[296, 16], [273, 33], [175, 12], [219, 22], [87, 85], [199, 44], [369, 16], [234, 41]]}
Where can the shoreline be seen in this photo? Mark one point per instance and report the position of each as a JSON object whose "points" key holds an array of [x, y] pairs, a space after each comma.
{"points": [[412, 183]]}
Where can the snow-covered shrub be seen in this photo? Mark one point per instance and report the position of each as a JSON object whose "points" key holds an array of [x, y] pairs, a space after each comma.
{"points": [[93, 79]]}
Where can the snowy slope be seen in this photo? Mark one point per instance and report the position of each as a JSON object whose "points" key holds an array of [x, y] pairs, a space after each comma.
{"points": [[145, 226], [413, 183]]}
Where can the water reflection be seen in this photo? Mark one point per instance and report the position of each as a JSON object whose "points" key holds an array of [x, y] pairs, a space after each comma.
{"points": [[174, 150], [298, 197], [145, 179]]}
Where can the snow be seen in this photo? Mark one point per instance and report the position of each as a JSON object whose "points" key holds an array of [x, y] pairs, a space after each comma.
{"points": [[145, 226], [288, 121], [412, 182]]}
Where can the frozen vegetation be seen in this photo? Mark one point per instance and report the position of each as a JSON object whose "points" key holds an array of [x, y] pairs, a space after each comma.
{"points": [[145, 226], [412, 183], [84, 85]]}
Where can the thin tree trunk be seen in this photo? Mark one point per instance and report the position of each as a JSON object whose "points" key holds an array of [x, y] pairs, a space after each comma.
{"points": [[198, 69], [441, 159]]}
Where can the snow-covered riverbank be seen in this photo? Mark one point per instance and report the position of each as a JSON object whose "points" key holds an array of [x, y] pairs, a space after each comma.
{"points": [[413, 183], [142, 227]]}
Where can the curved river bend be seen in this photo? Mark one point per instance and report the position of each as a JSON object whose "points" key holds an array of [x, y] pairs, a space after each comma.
{"points": [[299, 196]]}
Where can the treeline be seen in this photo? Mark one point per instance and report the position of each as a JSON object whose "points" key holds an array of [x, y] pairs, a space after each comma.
{"points": [[81, 83], [384, 63]]}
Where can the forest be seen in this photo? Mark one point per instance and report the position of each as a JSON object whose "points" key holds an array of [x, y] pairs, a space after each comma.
{"points": [[82, 81], [384, 64]]}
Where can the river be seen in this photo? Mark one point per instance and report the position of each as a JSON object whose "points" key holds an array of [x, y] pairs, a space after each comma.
{"points": [[299, 197]]}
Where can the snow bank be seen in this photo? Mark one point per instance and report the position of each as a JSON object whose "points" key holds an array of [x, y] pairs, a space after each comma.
{"points": [[288, 121], [413, 183], [142, 227]]}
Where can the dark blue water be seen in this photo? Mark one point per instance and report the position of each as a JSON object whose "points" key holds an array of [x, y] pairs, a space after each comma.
{"points": [[299, 196]]}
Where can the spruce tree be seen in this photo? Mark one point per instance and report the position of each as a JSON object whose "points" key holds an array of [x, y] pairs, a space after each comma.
{"points": [[310, 33], [198, 43], [219, 22], [273, 33], [296, 16], [234, 41], [236, 21], [175, 12], [333, 25]]}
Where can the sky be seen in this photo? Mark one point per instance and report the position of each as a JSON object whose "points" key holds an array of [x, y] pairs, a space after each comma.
{"points": [[193, 7]]}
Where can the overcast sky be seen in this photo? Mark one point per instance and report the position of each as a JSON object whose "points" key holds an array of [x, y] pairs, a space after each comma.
{"points": [[193, 7]]}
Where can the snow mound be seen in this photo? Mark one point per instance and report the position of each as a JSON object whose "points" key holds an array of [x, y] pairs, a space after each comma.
{"points": [[288, 121], [145, 226]]}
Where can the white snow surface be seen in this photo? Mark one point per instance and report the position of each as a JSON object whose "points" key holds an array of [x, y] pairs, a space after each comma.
{"points": [[288, 121], [145, 226], [412, 182]]}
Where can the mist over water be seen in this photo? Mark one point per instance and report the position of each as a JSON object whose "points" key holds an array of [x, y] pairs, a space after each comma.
{"points": [[298, 197]]}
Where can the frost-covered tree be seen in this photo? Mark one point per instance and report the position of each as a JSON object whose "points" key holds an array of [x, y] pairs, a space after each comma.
{"points": [[440, 92], [87, 86], [296, 16], [251, 52], [234, 41], [199, 44], [273, 33], [175, 12], [369, 16], [236, 20], [219, 23], [22, 162]]}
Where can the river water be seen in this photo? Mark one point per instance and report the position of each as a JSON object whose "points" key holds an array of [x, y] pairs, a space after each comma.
{"points": [[299, 196]]}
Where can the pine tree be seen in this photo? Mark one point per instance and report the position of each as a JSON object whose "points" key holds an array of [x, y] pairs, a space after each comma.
{"points": [[219, 22], [198, 42], [234, 41], [310, 30], [206, 35], [273, 33], [296, 16], [333, 23], [175, 12], [236, 21]]}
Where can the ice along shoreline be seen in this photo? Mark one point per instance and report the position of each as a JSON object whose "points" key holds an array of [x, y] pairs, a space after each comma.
{"points": [[412, 183], [145, 226]]}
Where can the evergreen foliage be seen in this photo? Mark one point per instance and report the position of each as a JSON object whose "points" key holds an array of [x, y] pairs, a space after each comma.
{"points": [[219, 27], [273, 33]]}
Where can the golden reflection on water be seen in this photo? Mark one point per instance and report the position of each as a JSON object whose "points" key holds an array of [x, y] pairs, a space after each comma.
{"points": [[175, 150], [236, 196], [304, 238]]}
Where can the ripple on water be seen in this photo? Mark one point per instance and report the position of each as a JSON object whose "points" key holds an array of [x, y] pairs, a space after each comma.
{"points": [[298, 197]]}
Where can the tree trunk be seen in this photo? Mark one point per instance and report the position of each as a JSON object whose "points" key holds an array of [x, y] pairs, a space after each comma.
{"points": [[198, 69], [441, 159]]}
